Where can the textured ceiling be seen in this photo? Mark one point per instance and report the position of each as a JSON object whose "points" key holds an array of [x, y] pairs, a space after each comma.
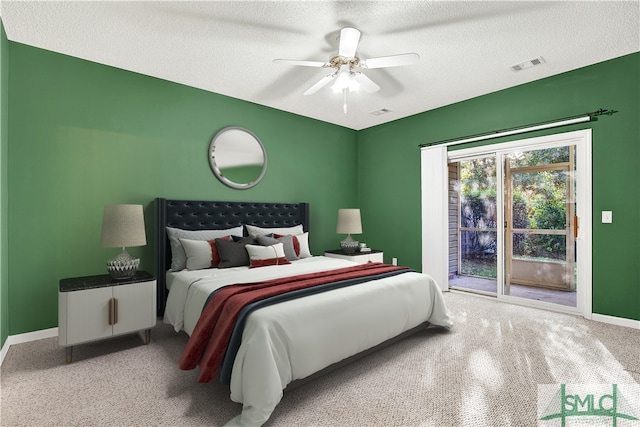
{"points": [[228, 47]]}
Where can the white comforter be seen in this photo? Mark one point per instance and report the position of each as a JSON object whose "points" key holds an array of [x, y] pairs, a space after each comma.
{"points": [[293, 339]]}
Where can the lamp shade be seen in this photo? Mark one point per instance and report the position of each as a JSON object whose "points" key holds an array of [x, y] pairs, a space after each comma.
{"points": [[123, 226], [349, 221]]}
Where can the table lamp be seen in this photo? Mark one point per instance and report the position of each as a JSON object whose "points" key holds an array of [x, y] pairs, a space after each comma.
{"points": [[123, 226], [349, 223]]}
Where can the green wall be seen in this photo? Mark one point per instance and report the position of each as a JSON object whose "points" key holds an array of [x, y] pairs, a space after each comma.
{"points": [[4, 190], [389, 167], [82, 135]]}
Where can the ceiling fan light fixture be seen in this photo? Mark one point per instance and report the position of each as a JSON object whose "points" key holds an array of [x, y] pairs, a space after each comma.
{"points": [[345, 81]]}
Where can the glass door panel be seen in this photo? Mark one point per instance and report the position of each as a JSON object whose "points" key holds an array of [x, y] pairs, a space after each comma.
{"points": [[539, 229], [472, 225]]}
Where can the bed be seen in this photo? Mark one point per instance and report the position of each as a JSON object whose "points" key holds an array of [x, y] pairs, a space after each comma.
{"points": [[285, 340]]}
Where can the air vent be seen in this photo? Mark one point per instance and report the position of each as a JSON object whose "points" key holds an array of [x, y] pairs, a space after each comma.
{"points": [[528, 64], [380, 112]]}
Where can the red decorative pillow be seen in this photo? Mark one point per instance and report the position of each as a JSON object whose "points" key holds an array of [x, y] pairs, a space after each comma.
{"points": [[215, 255], [262, 256]]}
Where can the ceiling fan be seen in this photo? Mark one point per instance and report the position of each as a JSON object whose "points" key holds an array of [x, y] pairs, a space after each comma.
{"points": [[346, 66]]}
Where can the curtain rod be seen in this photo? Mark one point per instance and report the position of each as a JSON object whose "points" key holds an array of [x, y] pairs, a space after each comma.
{"points": [[586, 117]]}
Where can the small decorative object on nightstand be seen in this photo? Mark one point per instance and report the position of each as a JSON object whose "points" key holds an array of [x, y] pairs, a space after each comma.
{"points": [[359, 257], [96, 307], [123, 226], [349, 223]]}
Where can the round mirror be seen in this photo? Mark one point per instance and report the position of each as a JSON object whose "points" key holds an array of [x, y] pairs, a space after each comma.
{"points": [[237, 158]]}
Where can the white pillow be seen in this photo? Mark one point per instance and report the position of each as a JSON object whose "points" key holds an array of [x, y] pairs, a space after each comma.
{"points": [[252, 230], [287, 241], [262, 256], [178, 256], [303, 239], [198, 253]]}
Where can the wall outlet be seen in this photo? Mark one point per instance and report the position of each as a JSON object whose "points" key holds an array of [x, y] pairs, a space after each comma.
{"points": [[394, 261], [607, 217]]}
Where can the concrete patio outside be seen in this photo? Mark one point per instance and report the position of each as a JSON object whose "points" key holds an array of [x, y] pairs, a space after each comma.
{"points": [[471, 283]]}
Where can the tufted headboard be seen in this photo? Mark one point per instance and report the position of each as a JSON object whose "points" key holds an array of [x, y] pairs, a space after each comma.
{"points": [[212, 215]]}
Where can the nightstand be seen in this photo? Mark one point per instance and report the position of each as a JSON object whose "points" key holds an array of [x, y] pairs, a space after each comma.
{"points": [[359, 257], [96, 307]]}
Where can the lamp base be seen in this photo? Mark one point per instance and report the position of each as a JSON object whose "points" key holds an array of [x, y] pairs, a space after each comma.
{"points": [[123, 266], [348, 245]]}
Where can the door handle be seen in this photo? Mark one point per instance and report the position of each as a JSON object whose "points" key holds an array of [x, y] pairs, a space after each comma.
{"points": [[575, 226], [111, 311]]}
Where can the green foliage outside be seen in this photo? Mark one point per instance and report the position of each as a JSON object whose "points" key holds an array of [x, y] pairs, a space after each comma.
{"points": [[480, 267], [539, 202]]}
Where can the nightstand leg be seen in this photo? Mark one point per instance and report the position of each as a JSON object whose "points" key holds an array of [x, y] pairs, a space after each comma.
{"points": [[69, 351], [147, 336]]}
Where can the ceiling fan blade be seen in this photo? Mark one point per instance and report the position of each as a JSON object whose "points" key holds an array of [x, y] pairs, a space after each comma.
{"points": [[319, 85], [349, 38], [392, 61], [366, 84], [300, 63]]}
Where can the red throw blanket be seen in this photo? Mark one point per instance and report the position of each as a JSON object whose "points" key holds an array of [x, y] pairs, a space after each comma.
{"points": [[208, 342]]}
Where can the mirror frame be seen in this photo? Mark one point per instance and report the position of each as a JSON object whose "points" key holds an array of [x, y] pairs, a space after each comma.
{"points": [[218, 173]]}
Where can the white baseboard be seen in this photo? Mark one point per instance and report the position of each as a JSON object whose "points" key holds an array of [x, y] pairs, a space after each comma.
{"points": [[27, 337], [620, 321]]}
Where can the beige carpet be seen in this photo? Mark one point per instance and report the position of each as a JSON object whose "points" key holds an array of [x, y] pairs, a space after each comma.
{"points": [[484, 372]]}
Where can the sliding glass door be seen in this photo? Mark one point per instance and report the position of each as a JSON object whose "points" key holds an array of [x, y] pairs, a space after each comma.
{"points": [[519, 221]]}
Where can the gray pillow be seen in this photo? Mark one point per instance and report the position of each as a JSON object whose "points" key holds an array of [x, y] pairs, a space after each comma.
{"points": [[178, 256], [252, 230], [287, 242], [233, 254]]}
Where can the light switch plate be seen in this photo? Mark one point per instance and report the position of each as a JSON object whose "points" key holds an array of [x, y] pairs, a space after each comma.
{"points": [[607, 217]]}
